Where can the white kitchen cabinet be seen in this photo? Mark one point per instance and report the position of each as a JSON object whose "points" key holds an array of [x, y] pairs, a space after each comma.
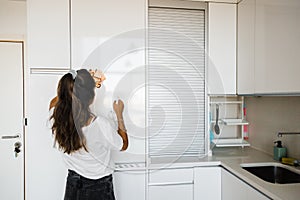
{"points": [[48, 36], [45, 171], [234, 188], [130, 185], [110, 36], [277, 48], [221, 48], [268, 47], [174, 184], [100, 24], [207, 183], [245, 46]]}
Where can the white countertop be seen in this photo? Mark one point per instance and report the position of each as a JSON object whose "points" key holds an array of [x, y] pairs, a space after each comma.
{"points": [[250, 155], [230, 159]]}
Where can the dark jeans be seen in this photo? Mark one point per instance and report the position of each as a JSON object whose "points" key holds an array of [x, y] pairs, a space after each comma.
{"points": [[81, 188]]}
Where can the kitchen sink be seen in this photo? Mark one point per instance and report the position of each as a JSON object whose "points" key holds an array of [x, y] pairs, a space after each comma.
{"points": [[273, 172]]}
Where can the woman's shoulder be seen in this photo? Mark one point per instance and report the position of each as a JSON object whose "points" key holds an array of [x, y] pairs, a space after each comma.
{"points": [[100, 119], [104, 122]]}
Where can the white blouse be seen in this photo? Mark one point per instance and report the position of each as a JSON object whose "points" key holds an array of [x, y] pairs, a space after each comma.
{"points": [[101, 139]]}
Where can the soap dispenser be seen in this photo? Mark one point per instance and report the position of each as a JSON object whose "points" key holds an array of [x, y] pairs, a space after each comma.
{"points": [[279, 151]]}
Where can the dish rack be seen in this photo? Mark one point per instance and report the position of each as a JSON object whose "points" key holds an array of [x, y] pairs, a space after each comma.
{"points": [[231, 120]]}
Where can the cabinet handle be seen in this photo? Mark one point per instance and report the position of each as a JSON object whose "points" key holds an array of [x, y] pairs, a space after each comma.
{"points": [[7, 137]]}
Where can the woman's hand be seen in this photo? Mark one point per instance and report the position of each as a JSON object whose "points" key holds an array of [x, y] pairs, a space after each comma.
{"points": [[118, 108], [53, 102], [98, 77]]}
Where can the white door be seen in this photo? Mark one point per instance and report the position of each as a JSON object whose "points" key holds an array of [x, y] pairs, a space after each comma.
{"points": [[11, 121]]}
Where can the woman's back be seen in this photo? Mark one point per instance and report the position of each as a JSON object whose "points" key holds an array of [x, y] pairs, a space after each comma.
{"points": [[96, 162]]}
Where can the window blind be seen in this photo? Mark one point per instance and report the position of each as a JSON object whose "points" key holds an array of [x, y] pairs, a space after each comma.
{"points": [[176, 82]]}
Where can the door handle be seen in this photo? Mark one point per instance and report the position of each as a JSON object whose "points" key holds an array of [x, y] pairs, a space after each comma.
{"points": [[7, 137]]}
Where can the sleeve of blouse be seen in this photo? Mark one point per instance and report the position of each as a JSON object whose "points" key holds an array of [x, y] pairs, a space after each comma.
{"points": [[112, 139]]}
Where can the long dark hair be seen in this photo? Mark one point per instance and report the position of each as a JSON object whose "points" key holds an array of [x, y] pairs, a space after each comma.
{"points": [[72, 111]]}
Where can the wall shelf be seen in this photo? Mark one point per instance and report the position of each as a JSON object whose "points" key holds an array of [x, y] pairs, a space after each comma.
{"points": [[231, 113], [234, 122], [226, 142]]}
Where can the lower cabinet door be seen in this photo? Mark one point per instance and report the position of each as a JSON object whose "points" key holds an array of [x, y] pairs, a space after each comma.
{"points": [[129, 185], [207, 183], [254, 194], [235, 189], [173, 192], [45, 171]]}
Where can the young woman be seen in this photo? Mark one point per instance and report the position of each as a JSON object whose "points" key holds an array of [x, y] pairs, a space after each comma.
{"points": [[85, 140]]}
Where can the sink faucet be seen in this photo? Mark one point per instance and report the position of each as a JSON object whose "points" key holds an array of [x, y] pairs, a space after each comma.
{"points": [[280, 134], [287, 133]]}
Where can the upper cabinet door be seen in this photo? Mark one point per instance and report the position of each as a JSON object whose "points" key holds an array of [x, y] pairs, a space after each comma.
{"points": [[268, 47], [245, 49], [110, 36], [104, 24], [48, 34], [277, 46], [221, 48]]}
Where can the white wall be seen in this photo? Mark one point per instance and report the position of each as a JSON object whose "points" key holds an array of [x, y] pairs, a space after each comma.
{"points": [[268, 116], [12, 19]]}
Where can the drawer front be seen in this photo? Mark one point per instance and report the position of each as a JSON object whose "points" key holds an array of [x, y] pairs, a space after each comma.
{"points": [[169, 176], [172, 192]]}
